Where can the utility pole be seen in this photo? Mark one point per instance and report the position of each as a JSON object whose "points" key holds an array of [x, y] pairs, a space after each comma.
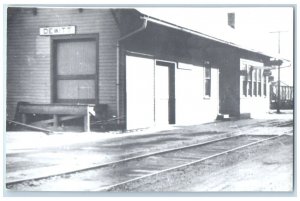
{"points": [[278, 81]]}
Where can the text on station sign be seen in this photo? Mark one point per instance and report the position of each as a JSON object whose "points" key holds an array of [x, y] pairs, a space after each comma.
{"points": [[47, 31]]}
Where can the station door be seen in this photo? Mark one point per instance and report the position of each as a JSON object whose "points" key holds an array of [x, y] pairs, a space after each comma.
{"points": [[161, 95], [150, 89], [75, 71]]}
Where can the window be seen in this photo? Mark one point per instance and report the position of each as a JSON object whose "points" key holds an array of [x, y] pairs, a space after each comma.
{"points": [[252, 81], [265, 86], [244, 79], [255, 82], [250, 71], [207, 81], [259, 82], [245, 87], [75, 69]]}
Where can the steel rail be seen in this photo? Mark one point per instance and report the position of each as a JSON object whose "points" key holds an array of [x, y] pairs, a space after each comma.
{"points": [[107, 188], [233, 135], [119, 161]]}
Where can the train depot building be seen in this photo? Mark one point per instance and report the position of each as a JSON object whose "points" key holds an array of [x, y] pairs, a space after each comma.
{"points": [[65, 64]]}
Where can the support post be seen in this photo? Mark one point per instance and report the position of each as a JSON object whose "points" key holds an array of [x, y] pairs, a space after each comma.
{"points": [[278, 91], [278, 82]]}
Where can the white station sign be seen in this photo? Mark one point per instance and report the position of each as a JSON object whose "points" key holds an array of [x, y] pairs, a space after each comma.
{"points": [[65, 30]]}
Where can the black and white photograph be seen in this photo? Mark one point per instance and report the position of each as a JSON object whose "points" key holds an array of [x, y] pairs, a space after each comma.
{"points": [[166, 99]]}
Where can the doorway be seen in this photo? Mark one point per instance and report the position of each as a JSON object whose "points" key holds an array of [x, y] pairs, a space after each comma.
{"points": [[164, 93], [150, 92], [75, 62]]}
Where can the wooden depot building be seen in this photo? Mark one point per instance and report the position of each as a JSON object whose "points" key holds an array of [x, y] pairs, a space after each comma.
{"points": [[102, 64]]}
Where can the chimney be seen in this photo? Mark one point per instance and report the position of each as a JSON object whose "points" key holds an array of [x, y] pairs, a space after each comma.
{"points": [[231, 20]]}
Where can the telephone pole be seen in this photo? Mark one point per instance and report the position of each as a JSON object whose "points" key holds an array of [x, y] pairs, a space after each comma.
{"points": [[278, 79]]}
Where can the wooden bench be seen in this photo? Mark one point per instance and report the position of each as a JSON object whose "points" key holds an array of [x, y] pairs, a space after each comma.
{"points": [[73, 110]]}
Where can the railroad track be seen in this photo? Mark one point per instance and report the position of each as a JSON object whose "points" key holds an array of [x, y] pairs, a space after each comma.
{"points": [[109, 176], [273, 123]]}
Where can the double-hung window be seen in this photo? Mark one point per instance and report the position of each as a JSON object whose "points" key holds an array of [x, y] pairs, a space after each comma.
{"points": [[207, 80], [259, 82], [249, 77], [265, 85], [244, 79], [255, 82]]}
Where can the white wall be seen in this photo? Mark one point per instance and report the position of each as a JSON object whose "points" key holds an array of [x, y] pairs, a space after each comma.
{"points": [[140, 92], [256, 106], [191, 105]]}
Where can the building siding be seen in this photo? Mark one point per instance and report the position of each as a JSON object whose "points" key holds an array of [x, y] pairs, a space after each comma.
{"points": [[29, 65], [192, 107], [29, 57], [191, 104]]}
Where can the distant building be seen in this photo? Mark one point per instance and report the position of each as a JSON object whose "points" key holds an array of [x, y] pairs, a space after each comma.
{"points": [[286, 99], [146, 70]]}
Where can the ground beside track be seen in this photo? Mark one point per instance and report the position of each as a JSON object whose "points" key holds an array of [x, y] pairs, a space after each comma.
{"points": [[32, 154], [266, 167], [271, 170]]}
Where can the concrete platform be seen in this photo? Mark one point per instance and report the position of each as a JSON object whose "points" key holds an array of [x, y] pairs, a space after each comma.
{"points": [[34, 154]]}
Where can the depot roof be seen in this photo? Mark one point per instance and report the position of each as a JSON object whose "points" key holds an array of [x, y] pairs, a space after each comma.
{"points": [[165, 23]]}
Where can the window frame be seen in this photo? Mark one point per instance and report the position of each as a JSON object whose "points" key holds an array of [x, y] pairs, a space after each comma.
{"points": [[55, 78], [252, 79], [243, 80], [259, 85], [264, 85], [249, 81], [207, 79], [255, 82]]}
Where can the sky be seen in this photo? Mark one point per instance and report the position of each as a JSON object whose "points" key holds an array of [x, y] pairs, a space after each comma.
{"points": [[253, 27]]}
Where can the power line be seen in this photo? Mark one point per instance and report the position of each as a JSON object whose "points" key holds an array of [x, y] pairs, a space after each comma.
{"points": [[279, 33], [278, 81]]}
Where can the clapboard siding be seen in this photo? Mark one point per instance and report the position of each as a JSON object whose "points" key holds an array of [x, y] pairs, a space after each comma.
{"points": [[29, 59]]}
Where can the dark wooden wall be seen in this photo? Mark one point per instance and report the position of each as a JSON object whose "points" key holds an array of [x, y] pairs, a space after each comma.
{"points": [[29, 59]]}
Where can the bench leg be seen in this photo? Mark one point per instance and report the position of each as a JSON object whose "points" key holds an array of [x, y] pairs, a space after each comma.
{"points": [[55, 120], [87, 123]]}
